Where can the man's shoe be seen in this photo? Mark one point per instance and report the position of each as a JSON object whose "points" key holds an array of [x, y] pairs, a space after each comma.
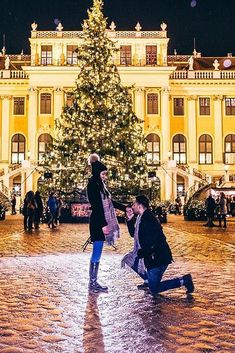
{"points": [[143, 286], [188, 283]]}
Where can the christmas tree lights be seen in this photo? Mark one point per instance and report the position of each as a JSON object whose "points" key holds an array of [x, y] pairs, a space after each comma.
{"points": [[100, 119]]}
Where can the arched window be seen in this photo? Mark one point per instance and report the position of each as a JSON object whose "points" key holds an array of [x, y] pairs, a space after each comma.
{"points": [[44, 141], [205, 149], [17, 148], [229, 149], [179, 149], [153, 149]]}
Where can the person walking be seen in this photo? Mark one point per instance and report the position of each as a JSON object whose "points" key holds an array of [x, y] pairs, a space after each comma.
{"points": [[38, 209], [222, 210], [178, 205], [103, 221], [52, 206], [58, 209], [13, 204], [131, 259], [155, 250], [29, 210]]}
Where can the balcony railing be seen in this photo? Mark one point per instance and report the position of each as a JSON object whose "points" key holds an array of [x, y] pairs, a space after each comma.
{"points": [[202, 74], [13, 74], [115, 34]]}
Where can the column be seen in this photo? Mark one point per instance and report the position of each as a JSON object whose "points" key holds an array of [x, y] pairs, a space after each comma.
{"points": [[174, 185], [139, 103], [5, 128], [165, 124], [32, 123], [58, 102], [218, 129], [28, 180], [23, 184], [192, 131]]}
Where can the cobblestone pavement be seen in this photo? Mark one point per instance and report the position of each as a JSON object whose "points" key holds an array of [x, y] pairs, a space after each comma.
{"points": [[45, 306]]}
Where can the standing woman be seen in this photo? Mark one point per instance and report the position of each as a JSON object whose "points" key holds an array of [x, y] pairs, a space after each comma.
{"points": [[222, 209], [103, 220]]}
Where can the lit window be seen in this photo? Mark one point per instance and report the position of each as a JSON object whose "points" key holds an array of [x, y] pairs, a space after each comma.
{"points": [[72, 55], [17, 148], [229, 149], [153, 149], [179, 149], [204, 105], [205, 149], [44, 142], [46, 54], [125, 55]]}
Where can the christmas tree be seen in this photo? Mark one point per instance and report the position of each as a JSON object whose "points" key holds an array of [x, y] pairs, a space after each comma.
{"points": [[100, 120]]}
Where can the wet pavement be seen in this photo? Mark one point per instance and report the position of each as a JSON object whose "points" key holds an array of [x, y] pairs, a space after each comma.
{"points": [[45, 306]]}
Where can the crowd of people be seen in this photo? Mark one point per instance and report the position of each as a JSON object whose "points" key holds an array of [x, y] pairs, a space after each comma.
{"points": [[151, 254], [218, 209], [33, 210]]}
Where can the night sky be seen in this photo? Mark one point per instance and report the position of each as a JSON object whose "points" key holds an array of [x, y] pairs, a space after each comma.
{"points": [[210, 22]]}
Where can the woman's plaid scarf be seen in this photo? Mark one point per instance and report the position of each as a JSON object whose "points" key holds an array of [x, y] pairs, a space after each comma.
{"points": [[111, 219], [131, 259]]}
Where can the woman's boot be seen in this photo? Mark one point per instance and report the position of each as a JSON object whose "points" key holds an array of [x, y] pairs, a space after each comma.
{"points": [[93, 284]]}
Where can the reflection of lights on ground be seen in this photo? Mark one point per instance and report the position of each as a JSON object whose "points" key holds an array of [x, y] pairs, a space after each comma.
{"points": [[227, 63], [193, 3]]}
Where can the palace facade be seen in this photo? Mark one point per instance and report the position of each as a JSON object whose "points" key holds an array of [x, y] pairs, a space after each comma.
{"points": [[186, 103]]}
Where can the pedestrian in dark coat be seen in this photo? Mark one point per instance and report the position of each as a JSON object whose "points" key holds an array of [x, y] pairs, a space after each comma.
{"points": [[13, 204], [223, 209], [38, 209], [103, 220], [155, 250], [52, 206], [29, 210], [210, 210]]}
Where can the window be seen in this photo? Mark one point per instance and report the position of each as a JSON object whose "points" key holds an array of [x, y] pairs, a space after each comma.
{"points": [[229, 149], [46, 54], [69, 99], [45, 103], [153, 149], [18, 105], [180, 186], [151, 55], [17, 148], [205, 149], [72, 54], [44, 142], [152, 103], [204, 106], [230, 106], [125, 55], [179, 149], [178, 106]]}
